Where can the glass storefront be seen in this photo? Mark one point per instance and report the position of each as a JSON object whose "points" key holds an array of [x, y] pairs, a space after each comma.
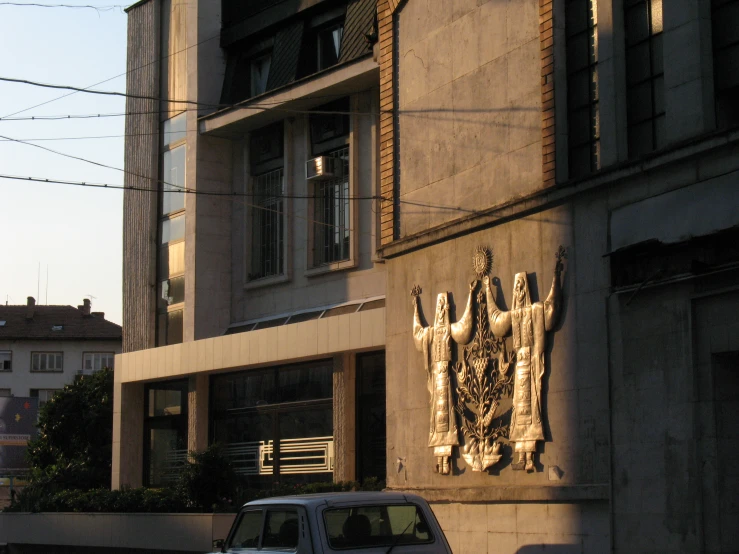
{"points": [[165, 431], [276, 423], [371, 429]]}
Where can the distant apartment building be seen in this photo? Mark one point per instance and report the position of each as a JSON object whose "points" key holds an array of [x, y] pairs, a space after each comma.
{"points": [[43, 348], [254, 301]]}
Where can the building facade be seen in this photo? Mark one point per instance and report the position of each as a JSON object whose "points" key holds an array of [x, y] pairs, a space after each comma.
{"points": [[539, 271], [253, 298], [43, 348]]}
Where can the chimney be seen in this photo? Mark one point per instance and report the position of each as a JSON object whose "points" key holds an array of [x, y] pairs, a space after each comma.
{"points": [[30, 307], [101, 315], [85, 308]]}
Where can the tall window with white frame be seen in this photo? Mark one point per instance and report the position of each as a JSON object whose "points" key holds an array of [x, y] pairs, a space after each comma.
{"points": [[329, 135], [267, 214], [582, 87], [6, 360], [725, 31], [171, 267], [645, 81]]}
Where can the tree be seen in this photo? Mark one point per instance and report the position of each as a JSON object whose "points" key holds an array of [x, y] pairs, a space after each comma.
{"points": [[73, 449]]}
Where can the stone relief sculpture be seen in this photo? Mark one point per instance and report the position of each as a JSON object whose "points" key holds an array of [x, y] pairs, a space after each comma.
{"points": [[435, 343], [528, 323], [482, 380]]}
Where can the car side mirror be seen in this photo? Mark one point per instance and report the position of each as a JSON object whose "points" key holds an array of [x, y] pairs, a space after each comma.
{"points": [[218, 543]]}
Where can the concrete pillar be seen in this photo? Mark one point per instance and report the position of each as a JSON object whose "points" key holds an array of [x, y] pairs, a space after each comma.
{"points": [[345, 449], [197, 412], [688, 69], [128, 435]]}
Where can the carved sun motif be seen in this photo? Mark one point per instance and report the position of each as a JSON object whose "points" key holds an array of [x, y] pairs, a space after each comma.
{"points": [[482, 260]]}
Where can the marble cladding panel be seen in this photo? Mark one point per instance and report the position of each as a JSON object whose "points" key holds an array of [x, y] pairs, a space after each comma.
{"points": [[470, 108]]}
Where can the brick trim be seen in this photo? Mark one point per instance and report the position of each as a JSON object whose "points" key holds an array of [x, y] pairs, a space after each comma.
{"points": [[385, 11], [546, 39]]}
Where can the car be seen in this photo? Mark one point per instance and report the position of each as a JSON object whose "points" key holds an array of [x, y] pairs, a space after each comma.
{"points": [[341, 522]]}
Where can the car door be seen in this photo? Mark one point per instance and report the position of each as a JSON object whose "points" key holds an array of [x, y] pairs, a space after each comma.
{"points": [[270, 529]]}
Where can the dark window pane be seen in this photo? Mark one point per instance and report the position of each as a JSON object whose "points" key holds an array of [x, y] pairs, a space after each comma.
{"points": [[578, 89], [726, 67], [310, 383], [576, 17], [329, 46], [578, 52], [657, 55], [640, 139], [640, 102], [580, 127], [637, 23], [637, 63], [244, 390], [306, 441]]}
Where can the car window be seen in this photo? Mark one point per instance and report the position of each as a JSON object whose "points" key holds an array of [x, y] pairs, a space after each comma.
{"points": [[383, 525], [247, 531], [281, 530]]}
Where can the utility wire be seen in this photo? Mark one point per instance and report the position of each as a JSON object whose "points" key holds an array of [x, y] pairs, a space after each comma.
{"points": [[108, 92], [180, 190], [96, 8]]}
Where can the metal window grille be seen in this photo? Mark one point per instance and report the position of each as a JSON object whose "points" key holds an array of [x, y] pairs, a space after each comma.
{"points": [[331, 214], [582, 87], [724, 23], [268, 219], [644, 76]]}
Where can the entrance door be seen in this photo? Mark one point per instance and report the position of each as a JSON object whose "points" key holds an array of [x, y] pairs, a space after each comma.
{"points": [[371, 431]]}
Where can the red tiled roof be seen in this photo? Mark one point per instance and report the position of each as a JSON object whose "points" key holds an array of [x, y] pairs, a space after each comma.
{"points": [[74, 324]]}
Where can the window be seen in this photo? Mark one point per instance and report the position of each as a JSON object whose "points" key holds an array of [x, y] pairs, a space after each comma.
{"points": [[644, 76], [279, 532], [258, 73], [276, 423], [6, 360], [165, 431], [171, 267], [582, 87], [374, 526], [332, 215], [47, 361], [5, 392], [268, 224], [93, 361], [322, 43], [267, 214], [43, 395], [725, 22]]}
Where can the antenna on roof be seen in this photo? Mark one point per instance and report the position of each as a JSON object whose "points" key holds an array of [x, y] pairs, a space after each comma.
{"points": [[38, 282], [47, 285], [91, 297]]}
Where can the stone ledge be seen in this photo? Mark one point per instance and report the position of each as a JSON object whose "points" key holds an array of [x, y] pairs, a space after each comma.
{"points": [[512, 493]]}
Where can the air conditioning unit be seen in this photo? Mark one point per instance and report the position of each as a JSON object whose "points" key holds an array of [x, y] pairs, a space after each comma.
{"points": [[323, 167]]}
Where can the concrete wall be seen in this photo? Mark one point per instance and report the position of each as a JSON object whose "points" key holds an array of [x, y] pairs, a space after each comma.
{"points": [[150, 532], [469, 99], [304, 288], [21, 379]]}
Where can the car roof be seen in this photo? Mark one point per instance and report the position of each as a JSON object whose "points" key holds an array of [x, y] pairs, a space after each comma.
{"points": [[337, 499]]}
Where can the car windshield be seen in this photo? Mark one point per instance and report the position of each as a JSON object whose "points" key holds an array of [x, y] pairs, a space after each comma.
{"points": [[378, 525]]}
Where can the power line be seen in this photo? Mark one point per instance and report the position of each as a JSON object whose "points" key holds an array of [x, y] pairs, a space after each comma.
{"points": [[107, 92], [180, 190], [96, 8]]}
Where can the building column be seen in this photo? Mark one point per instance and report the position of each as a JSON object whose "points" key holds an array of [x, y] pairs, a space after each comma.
{"points": [[345, 449], [128, 435], [197, 412]]}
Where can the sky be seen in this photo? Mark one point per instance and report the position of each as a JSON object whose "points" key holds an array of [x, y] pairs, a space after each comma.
{"points": [[72, 233]]}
